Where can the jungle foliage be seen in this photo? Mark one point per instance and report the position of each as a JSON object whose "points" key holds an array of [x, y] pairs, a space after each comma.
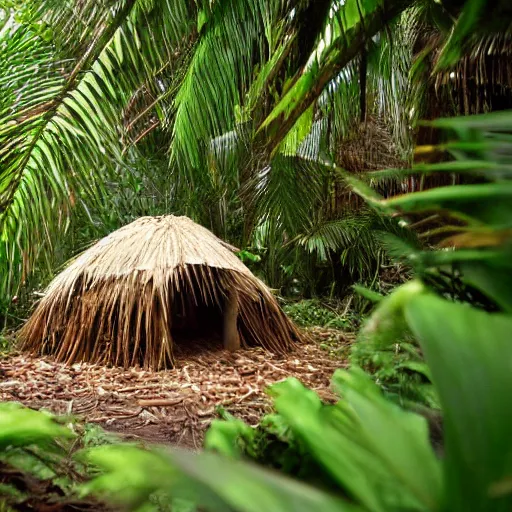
{"points": [[231, 113], [68, 139], [363, 452]]}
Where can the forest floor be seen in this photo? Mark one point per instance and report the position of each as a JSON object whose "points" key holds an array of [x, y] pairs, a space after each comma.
{"points": [[173, 406]]}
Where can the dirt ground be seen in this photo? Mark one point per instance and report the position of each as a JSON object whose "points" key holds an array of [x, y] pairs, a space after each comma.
{"points": [[174, 406]]}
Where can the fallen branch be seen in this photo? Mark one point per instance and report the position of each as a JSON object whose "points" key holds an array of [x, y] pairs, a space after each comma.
{"points": [[160, 402]]}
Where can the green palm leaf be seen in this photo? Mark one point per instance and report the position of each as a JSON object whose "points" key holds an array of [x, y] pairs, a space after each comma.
{"points": [[60, 130], [234, 37]]}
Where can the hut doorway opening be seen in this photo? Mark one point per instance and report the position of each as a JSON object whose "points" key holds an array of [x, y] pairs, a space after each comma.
{"points": [[203, 317]]}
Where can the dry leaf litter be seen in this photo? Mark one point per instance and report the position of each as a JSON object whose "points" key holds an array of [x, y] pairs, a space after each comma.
{"points": [[173, 406]]}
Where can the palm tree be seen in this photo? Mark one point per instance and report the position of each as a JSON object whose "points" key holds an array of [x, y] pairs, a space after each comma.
{"points": [[218, 96]]}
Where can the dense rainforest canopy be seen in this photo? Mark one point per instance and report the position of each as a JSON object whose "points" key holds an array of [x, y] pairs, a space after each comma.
{"points": [[233, 113]]}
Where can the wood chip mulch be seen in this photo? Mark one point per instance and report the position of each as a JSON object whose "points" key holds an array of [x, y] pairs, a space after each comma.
{"points": [[174, 406]]}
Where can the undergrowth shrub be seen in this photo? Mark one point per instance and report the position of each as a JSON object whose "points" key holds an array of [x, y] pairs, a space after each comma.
{"points": [[393, 356], [38, 469], [398, 367], [313, 312]]}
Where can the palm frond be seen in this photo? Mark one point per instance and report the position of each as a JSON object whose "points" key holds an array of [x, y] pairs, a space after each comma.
{"points": [[359, 240], [476, 18], [351, 25], [289, 191], [218, 76], [479, 81], [60, 134]]}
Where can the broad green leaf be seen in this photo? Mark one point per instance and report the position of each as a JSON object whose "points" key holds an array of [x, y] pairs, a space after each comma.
{"points": [[224, 437], [129, 475], [215, 482], [470, 356], [489, 203], [492, 277], [387, 321], [482, 167], [342, 441], [417, 366], [492, 122], [248, 488], [399, 438], [371, 295], [21, 426], [488, 270]]}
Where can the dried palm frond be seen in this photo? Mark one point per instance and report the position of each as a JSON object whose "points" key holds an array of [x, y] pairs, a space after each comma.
{"points": [[118, 302], [481, 79], [369, 147]]}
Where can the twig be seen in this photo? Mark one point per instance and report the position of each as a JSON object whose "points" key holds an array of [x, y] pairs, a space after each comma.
{"points": [[277, 368], [160, 402], [345, 311], [181, 436], [248, 394], [137, 388], [114, 418], [193, 438]]}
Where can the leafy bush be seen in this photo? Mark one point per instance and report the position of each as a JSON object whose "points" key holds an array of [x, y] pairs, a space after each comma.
{"points": [[476, 272], [312, 312], [398, 368], [393, 356], [37, 469], [31, 443]]}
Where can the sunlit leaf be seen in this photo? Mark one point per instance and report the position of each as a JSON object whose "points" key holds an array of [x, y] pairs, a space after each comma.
{"points": [[464, 346]]}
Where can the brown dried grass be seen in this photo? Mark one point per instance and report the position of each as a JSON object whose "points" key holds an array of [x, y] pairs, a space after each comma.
{"points": [[369, 147], [115, 304], [482, 78]]}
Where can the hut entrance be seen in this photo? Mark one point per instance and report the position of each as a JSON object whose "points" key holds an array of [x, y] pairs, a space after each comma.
{"points": [[195, 325], [203, 318]]}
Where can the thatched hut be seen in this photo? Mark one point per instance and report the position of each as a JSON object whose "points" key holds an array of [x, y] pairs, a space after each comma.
{"points": [[125, 300]]}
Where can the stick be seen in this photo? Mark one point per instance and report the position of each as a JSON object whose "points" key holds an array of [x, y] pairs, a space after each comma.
{"points": [[160, 402]]}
